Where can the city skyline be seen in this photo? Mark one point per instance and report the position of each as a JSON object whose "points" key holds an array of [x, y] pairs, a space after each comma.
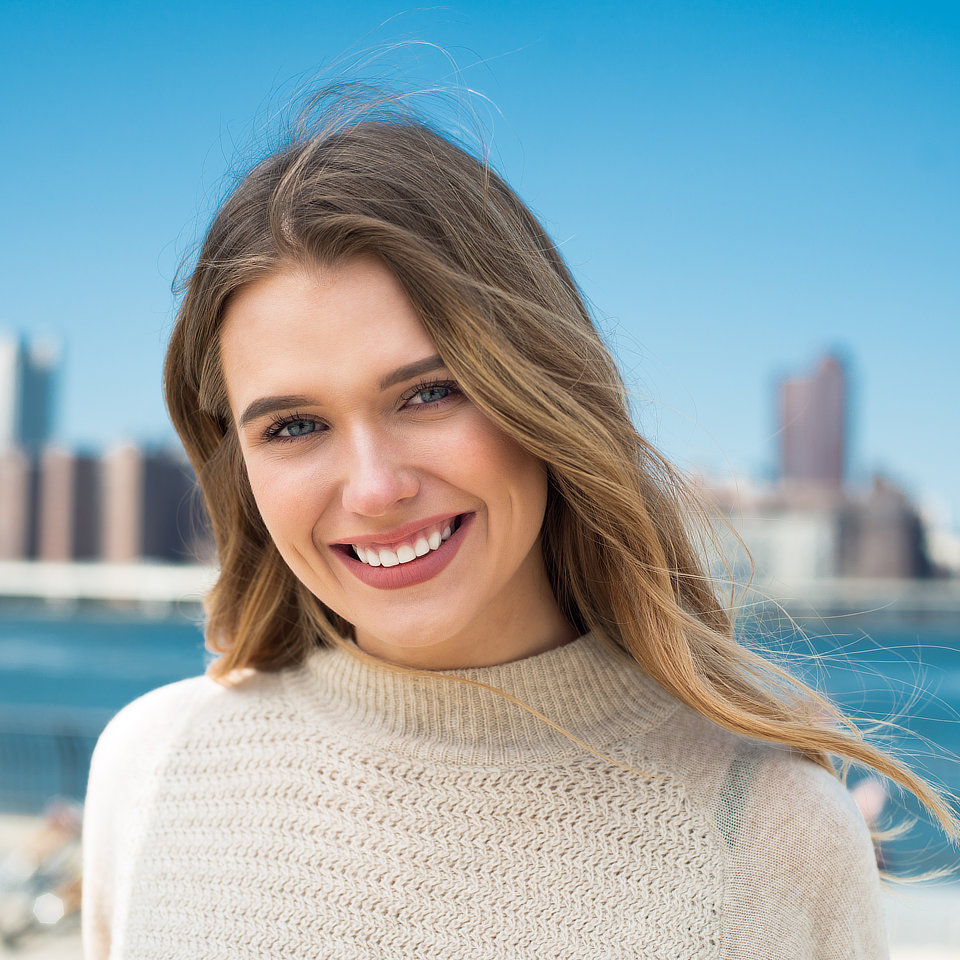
{"points": [[737, 189], [810, 402]]}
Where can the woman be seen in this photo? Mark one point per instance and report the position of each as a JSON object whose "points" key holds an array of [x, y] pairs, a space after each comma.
{"points": [[476, 696]]}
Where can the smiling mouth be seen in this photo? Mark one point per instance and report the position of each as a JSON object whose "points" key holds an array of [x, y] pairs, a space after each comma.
{"points": [[418, 545]]}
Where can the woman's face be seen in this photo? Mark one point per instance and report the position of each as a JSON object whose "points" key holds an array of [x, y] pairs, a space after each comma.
{"points": [[388, 493]]}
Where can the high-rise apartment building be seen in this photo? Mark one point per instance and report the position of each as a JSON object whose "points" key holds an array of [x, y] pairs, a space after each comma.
{"points": [[813, 427], [18, 504], [149, 508], [68, 507], [27, 378]]}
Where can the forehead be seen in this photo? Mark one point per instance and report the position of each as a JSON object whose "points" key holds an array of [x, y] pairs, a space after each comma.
{"points": [[301, 326]]}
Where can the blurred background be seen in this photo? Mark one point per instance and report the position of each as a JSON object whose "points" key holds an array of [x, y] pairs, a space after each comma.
{"points": [[761, 203]]}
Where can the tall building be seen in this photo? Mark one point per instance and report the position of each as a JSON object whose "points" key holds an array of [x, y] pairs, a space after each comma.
{"points": [[18, 504], [68, 525], [27, 379], [148, 507], [813, 427]]}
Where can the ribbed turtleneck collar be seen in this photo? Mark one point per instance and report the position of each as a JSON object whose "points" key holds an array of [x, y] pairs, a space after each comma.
{"points": [[585, 687]]}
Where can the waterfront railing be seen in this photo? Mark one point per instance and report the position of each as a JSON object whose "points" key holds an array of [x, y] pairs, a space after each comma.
{"points": [[45, 754]]}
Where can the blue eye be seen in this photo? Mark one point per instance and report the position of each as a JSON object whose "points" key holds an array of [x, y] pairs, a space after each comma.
{"points": [[425, 394], [297, 428], [433, 394], [292, 428]]}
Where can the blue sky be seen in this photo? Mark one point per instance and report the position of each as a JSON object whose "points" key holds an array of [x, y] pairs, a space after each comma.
{"points": [[738, 186]]}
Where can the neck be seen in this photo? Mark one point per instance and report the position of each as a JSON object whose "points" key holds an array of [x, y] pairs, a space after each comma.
{"points": [[514, 635]]}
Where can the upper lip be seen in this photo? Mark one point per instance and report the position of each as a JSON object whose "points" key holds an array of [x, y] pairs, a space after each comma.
{"points": [[397, 534]]}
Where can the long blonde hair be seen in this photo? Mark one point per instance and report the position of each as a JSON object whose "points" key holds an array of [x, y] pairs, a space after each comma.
{"points": [[505, 314]]}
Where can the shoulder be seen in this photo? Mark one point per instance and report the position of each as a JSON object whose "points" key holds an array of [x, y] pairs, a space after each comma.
{"points": [[801, 878], [136, 747], [792, 800], [138, 737], [141, 735], [148, 718], [775, 790], [802, 857], [124, 774], [768, 795], [131, 750], [127, 773]]}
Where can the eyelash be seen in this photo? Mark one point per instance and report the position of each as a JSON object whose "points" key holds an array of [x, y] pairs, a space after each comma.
{"points": [[272, 433], [425, 385]]}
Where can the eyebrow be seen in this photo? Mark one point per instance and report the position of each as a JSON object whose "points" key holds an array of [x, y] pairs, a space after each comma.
{"points": [[266, 405], [415, 369], [263, 406]]}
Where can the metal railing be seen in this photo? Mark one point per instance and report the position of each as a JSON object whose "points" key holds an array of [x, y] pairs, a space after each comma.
{"points": [[45, 754]]}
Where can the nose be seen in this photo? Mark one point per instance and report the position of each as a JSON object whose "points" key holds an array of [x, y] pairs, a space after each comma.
{"points": [[376, 475]]}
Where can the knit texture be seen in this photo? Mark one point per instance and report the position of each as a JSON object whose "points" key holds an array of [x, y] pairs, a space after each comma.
{"points": [[342, 810]]}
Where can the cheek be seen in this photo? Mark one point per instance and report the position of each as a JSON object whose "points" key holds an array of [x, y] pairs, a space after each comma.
{"points": [[532, 482], [289, 496], [510, 477]]}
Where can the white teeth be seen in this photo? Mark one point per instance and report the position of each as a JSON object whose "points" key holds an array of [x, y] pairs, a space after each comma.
{"points": [[384, 557]]}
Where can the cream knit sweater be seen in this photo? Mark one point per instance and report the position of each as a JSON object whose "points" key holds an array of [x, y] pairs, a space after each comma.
{"points": [[338, 810]]}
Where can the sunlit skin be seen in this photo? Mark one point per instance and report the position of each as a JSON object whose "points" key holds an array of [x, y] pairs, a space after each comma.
{"points": [[345, 441]]}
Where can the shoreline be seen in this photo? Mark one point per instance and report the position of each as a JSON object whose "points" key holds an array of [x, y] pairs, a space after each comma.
{"points": [[159, 588]]}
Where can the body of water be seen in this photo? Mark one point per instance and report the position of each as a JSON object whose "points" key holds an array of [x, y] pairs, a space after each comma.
{"points": [[63, 677]]}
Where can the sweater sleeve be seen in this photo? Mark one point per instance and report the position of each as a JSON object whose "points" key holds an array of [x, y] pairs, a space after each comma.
{"points": [[125, 774], [805, 884]]}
